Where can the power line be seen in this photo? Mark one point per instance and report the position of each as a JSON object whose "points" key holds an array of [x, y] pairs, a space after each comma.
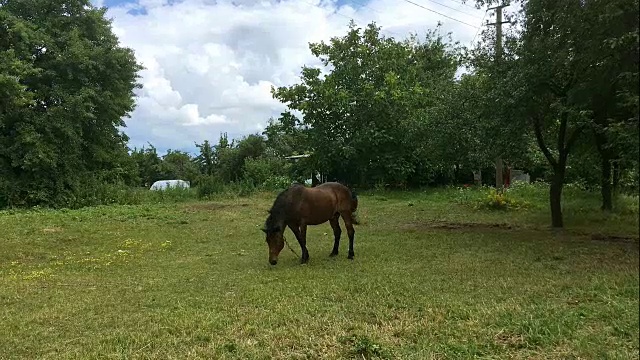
{"points": [[452, 8], [441, 14], [463, 4], [352, 18], [379, 12], [478, 31]]}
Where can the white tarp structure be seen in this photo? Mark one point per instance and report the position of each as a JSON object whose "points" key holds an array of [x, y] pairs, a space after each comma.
{"points": [[519, 175], [164, 184]]}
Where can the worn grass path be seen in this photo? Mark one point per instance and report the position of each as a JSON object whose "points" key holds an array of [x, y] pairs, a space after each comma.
{"points": [[431, 279]]}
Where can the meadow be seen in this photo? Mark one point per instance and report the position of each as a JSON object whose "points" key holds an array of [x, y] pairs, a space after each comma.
{"points": [[437, 274]]}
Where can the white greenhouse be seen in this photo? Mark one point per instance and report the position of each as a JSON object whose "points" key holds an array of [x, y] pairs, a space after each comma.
{"points": [[165, 184]]}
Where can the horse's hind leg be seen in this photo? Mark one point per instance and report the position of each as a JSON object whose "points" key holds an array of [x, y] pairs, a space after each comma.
{"points": [[335, 225], [348, 223]]}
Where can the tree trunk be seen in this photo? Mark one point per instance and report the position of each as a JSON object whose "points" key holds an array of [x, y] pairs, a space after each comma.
{"points": [[559, 165], [605, 171], [607, 199], [555, 198]]}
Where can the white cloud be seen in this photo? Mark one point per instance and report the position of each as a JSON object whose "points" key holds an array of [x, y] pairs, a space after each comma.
{"points": [[209, 65]]}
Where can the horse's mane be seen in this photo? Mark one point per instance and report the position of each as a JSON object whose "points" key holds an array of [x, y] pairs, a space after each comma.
{"points": [[280, 208]]}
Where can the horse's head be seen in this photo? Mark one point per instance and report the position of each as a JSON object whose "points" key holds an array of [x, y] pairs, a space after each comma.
{"points": [[275, 241], [274, 226]]}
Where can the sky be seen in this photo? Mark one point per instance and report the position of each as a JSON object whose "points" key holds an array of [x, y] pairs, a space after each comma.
{"points": [[209, 65]]}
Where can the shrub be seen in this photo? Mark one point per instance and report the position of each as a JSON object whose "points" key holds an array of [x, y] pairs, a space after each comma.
{"points": [[265, 171], [209, 185], [172, 195], [498, 201], [488, 198], [277, 183]]}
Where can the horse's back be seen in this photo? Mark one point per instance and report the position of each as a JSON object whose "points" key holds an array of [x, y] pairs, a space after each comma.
{"points": [[340, 195]]}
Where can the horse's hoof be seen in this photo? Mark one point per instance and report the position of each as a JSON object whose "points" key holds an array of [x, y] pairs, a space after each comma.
{"points": [[350, 257], [304, 261], [333, 254]]}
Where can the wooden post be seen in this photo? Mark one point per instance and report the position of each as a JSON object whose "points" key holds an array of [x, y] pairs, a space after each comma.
{"points": [[498, 24]]}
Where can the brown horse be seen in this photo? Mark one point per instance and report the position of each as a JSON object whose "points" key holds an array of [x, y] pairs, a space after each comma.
{"points": [[299, 206]]}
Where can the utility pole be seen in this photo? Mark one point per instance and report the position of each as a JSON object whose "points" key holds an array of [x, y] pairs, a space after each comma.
{"points": [[498, 24]]}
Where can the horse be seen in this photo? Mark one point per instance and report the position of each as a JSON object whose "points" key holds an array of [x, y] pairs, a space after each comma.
{"points": [[300, 206]]}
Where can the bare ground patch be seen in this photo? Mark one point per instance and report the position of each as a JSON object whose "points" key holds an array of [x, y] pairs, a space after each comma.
{"points": [[614, 238], [462, 226], [506, 339], [490, 227]]}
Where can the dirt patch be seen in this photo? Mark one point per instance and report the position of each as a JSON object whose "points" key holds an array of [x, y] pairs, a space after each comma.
{"points": [[446, 225], [479, 227], [614, 238], [509, 340], [52, 230]]}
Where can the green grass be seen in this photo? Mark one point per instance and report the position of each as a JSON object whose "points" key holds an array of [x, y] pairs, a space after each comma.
{"points": [[432, 278]]}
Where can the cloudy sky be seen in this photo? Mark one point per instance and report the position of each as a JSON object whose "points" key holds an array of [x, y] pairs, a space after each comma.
{"points": [[209, 64]]}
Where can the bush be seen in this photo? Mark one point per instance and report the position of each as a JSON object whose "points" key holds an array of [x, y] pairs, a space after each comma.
{"points": [[266, 172], [171, 195], [277, 183], [488, 198], [245, 188], [208, 186], [93, 193], [499, 201]]}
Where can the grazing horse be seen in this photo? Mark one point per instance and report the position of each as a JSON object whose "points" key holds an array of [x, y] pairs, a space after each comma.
{"points": [[299, 206]]}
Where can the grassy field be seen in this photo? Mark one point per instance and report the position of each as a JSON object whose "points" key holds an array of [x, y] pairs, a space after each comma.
{"points": [[433, 278]]}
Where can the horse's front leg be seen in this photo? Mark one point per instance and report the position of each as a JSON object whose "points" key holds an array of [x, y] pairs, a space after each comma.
{"points": [[301, 235]]}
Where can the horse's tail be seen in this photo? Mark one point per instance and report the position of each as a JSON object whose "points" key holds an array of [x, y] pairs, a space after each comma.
{"points": [[354, 206]]}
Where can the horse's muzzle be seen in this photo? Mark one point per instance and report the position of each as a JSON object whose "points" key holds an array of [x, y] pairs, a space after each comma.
{"points": [[273, 262]]}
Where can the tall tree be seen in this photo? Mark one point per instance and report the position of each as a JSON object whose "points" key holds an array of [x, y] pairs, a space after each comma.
{"points": [[206, 160], [546, 77], [367, 116], [539, 82], [574, 73], [609, 85], [178, 165], [148, 164], [72, 84], [232, 157], [286, 135], [577, 66]]}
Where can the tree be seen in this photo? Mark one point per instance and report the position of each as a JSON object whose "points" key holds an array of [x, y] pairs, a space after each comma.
{"points": [[609, 84], [232, 157], [148, 164], [573, 73], [206, 160], [547, 75], [178, 165], [538, 82], [286, 136], [468, 131], [366, 119], [70, 85]]}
